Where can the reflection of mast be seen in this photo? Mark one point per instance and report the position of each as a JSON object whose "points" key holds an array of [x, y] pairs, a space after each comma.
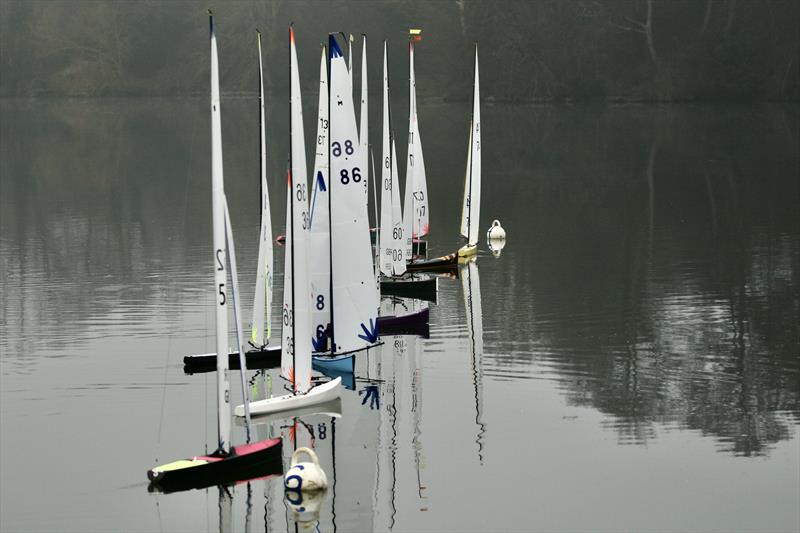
{"points": [[471, 284], [416, 409], [333, 455], [225, 514], [393, 418]]}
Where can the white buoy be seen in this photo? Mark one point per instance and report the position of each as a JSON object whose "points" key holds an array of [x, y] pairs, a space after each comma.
{"points": [[306, 476], [495, 232]]}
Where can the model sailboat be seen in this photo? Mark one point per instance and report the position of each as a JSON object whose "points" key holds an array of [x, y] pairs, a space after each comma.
{"points": [[260, 354], [471, 206], [354, 298], [415, 214], [228, 463], [296, 332]]}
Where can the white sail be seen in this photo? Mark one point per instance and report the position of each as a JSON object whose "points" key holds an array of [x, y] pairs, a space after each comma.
{"points": [[320, 264], [260, 329], [408, 208], [415, 169], [398, 251], [296, 352], [472, 199], [385, 224], [350, 62], [354, 313], [466, 198], [220, 272]]}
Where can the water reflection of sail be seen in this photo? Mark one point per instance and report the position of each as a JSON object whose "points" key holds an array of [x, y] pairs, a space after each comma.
{"points": [[471, 284]]}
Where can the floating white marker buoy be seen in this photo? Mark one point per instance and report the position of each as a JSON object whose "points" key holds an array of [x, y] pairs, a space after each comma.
{"points": [[495, 232], [305, 477]]}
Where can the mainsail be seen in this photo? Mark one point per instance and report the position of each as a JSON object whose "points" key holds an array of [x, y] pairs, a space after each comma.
{"points": [[320, 221], [260, 329], [220, 257], [471, 207], [392, 253], [296, 352], [354, 311], [415, 165]]}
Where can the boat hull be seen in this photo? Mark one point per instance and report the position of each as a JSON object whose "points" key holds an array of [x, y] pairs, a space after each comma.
{"points": [[318, 394], [339, 363], [445, 262], [414, 323], [248, 461], [421, 289], [467, 251], [269, 357]]}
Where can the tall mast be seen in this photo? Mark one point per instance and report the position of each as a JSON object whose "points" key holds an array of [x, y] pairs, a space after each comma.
{"points": [[332, 329], [220, 272]]}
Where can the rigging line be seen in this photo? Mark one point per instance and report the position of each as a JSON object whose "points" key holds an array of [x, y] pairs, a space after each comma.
{"points": [[183, 228], [163, 392]]}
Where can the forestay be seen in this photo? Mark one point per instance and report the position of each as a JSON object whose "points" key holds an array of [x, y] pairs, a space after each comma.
{"points": [[354, 314], [296, 348], [260, 326], [471, 208], [320, 264]]}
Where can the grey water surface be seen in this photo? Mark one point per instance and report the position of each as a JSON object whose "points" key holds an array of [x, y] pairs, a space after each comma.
{"points": [[630, 361]]}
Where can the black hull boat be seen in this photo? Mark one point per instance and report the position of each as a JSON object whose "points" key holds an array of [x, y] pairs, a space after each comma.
{"points": [[248, 461], [419, 288], [444, 263]]}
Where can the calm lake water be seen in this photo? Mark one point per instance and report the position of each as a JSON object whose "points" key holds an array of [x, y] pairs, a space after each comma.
{"points": [[631, 361]]}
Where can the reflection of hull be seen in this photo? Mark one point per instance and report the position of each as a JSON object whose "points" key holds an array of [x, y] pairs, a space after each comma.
{"points": [[269, 357], [413, 323], [421, 289], [245, 462], [337, 363], [446, 262], [318, 394]]}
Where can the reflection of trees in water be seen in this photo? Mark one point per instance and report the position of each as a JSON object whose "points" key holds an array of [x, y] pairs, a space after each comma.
{"points": [[93, 208], [702, 331]]}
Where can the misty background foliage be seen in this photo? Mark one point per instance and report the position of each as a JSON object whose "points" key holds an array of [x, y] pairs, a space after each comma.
{"points": [[544, 50]]}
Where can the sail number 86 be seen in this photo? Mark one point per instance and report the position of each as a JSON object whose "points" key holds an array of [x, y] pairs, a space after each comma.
{"points": [[345, 176]]}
